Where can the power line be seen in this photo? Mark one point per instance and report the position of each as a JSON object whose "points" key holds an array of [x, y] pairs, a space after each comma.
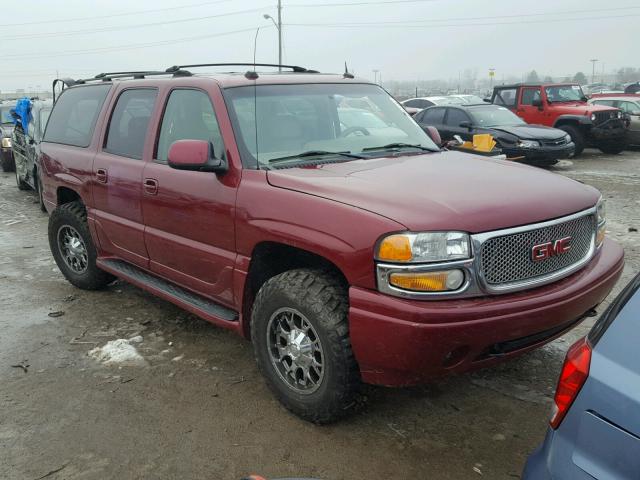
{"points": [[129, 27], [452, 19], [341, 4], [113, 15], [128, 47], [412, 24]]}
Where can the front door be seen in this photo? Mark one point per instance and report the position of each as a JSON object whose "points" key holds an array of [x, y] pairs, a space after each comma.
{"points": [[452, 121], [189, 215], [117, 176], [530, 105]]}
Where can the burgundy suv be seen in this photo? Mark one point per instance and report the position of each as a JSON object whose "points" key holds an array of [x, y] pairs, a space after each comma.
{"points": [[311, 214]]}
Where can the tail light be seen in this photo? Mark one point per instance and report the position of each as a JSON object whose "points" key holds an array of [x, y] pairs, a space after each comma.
{"points": [[575, 371]]}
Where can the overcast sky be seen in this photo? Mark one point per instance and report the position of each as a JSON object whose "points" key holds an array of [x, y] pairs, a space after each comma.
{"points": [[405, 40]]}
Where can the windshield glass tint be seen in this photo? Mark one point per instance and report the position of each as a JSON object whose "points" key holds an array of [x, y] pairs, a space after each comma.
{"points": [[491, 116], [564, 93], [287, 120], [5, 115]]}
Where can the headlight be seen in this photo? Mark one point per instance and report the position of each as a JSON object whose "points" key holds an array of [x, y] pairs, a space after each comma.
{"points": [[601, 216], [6, 142], [424, 247], [593, 117], [528, 144]]}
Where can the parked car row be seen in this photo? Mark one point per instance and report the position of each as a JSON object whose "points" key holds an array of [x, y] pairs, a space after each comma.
{"points": [[608, 123]]}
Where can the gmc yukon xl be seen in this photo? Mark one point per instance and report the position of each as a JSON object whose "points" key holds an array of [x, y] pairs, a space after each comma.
{"points": [[347, 250]]}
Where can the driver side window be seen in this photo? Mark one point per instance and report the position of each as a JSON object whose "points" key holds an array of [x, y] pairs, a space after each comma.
{"points": [[188, 115], [529, 95]]}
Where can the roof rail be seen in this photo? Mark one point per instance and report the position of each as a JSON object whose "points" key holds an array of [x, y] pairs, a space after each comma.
{"points": [[179, 69], [134, 74]]}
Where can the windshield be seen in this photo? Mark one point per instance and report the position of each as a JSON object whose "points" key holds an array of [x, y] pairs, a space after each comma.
{"points": [[289, 120], [564, 93], [5, 115], [492, 116]]}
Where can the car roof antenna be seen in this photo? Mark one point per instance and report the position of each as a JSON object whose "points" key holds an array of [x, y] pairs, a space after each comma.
{"points": [[346, 73]]}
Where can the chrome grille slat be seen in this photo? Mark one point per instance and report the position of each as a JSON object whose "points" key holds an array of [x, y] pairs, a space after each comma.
{"points": [[507, 259]]}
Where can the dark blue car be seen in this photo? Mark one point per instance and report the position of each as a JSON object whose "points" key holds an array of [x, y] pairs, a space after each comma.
{"points": [[595, 426]]}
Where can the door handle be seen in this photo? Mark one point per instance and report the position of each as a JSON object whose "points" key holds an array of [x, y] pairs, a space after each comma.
{"points": [[150, 186], [101, 175]]}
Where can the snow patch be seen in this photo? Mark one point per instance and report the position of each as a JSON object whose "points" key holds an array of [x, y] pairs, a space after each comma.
{"points": [[119, 352]]}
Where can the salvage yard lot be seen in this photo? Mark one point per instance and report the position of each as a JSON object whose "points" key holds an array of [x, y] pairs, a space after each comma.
{"points": [[198, 408]]}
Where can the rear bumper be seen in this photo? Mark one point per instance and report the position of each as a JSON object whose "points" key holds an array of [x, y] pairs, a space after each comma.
{"points": [[404, 342], [536, 467]]}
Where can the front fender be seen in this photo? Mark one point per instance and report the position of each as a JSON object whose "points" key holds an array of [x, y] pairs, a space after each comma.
{"points": [[567, 119]]}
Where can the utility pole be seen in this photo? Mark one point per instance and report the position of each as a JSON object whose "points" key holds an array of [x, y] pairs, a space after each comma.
{"points": [[593, 69]]}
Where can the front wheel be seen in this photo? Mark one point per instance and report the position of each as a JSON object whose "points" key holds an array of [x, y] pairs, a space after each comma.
{"points": [[300, 335], [22, 185], [73, 248], [612, 147], [577, 137]]}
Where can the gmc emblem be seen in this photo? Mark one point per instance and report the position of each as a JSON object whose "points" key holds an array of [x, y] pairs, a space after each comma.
{"points": [[550, 249]]}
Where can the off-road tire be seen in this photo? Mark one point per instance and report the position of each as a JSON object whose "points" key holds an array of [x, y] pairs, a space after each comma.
{"points": [[7, 164], [577, 137], [612, 147], [39, 192], [322, 299], [74, 215], [22, 185]]}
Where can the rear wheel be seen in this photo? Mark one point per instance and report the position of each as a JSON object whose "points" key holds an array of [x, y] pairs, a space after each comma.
{"points": [[577, 137], [612, 147], [7, 163], [300, 335], [73, 248]]}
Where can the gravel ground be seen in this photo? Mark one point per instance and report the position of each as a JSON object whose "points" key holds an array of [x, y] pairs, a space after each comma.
{"points": [[195, 407]]}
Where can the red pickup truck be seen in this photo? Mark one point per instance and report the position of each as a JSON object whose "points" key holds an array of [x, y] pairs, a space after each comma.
{"points": [[564, 106], [311, 214]]}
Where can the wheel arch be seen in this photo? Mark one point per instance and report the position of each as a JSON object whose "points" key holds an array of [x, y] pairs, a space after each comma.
{"points": [[270, 258]]}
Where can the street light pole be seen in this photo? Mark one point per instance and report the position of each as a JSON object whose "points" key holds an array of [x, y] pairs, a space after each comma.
{"points": [[278, 25]]}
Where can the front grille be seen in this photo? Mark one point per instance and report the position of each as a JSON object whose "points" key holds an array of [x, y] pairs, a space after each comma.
{"points": [[508, 259], [602, 117], [556, 143]]}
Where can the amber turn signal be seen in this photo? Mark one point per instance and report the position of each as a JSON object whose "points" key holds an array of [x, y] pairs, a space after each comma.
{"points": [[395, 248], [440, 281]]}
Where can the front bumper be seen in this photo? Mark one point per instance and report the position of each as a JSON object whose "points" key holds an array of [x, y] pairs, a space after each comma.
{"points": [[405, 342], [542, 156], [608, 131]]}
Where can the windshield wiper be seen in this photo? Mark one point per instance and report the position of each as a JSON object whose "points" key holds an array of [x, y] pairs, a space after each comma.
{"points": [[314, 153], [399, 145]]}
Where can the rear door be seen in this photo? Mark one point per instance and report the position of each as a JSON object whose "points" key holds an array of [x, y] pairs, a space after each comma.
{"points": [[189, 215], [632, 109], [452, 121], [433, 117], [117, 175]]}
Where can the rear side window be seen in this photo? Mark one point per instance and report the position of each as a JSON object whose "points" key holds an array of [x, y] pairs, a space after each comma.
{"points": [[506, 97], [75, 114], [433, 116], [129, 122], [455, 117], [189, 115]]}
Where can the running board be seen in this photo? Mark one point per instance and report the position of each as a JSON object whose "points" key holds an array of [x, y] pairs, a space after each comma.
{"points": [[197, 304]]}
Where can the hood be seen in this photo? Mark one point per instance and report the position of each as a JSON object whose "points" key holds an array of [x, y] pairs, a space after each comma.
{"points": [[442, 191], [578, 108], [532, 132]]}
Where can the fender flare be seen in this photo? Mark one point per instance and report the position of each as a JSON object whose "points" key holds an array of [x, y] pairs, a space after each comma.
{"points": [[579, 119]]}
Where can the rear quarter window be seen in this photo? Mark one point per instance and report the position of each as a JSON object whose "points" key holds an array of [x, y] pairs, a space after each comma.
{"points": [[73, 119]]}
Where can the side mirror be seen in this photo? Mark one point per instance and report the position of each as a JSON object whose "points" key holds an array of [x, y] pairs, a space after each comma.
{"points": [[537, 102], [466, 124], [434, 134], [195, 155]]}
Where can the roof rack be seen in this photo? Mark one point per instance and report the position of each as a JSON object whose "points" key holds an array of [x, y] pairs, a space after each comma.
{"points": [[178, 70]]}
